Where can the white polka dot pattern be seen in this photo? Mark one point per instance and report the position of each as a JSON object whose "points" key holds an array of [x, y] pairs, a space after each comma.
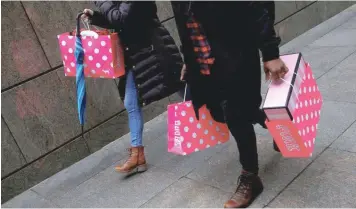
{"points": [[189, 145], [198, 126], [310, 111], [98, 51], [306, 115], [191, 119], [199, 134]]}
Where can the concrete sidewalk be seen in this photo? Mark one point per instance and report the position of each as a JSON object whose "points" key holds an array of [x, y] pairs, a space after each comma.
{"points": [[208, 178]]}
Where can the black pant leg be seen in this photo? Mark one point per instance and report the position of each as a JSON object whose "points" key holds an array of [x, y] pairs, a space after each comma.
{"points": [[242, 107], [244, 134]]}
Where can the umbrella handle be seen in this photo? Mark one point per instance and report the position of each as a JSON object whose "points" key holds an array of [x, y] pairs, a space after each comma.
{"points": [[78, 23]]}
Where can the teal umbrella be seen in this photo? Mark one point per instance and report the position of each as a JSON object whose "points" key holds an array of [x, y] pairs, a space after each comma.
{"points": [[80, 81]]}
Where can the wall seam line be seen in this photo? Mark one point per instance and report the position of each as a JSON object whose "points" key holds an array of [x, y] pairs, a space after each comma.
{"points": [[30, 79], [294, 13], [38, 39], [166, 20], [23, 155]]}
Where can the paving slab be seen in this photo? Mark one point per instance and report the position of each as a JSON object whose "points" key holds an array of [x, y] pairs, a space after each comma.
{"points": [[180, 166], [83, 170], [351, 24], [73, 176], [29, 199], [347, 140], [222, 170], [335, 118], [323, 59], [187, 193], [44, 168], [305, 39], [330, 182], [277, 172], [339, 83], [344, 37], [110, 189]]}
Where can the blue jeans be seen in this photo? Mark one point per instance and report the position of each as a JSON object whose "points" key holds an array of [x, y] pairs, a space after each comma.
{"points": [[134, 111]]}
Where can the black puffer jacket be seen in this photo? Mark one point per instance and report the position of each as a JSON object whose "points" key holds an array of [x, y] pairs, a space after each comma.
{"points": [[150, 51]]}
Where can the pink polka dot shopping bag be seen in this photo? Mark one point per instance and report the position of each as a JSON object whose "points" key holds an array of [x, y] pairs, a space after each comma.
{"points": [[103, 54], [293, 105], [186, 134]]}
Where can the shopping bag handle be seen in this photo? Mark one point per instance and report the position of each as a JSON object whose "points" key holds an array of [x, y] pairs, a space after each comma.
{"points": [[293, 89], [78, 23], [185, 92], [84, 23]]}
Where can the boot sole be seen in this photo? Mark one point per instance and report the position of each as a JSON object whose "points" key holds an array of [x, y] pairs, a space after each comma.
{"points": [[138, 169]]}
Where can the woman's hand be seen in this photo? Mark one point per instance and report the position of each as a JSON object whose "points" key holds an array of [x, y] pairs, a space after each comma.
{"points": [[275, 69], [88, 13]]}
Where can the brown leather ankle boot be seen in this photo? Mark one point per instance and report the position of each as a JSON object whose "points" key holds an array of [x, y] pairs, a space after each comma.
{"points": [[135, 163], [249, 187]]}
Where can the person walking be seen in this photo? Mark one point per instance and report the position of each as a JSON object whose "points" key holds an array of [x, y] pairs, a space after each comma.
{"points": [[152, 61], [221, 43]]}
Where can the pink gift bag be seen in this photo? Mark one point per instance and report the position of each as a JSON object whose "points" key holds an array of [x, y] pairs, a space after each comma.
{"points": [[293, 106], [186, 134], [103, 54]]}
